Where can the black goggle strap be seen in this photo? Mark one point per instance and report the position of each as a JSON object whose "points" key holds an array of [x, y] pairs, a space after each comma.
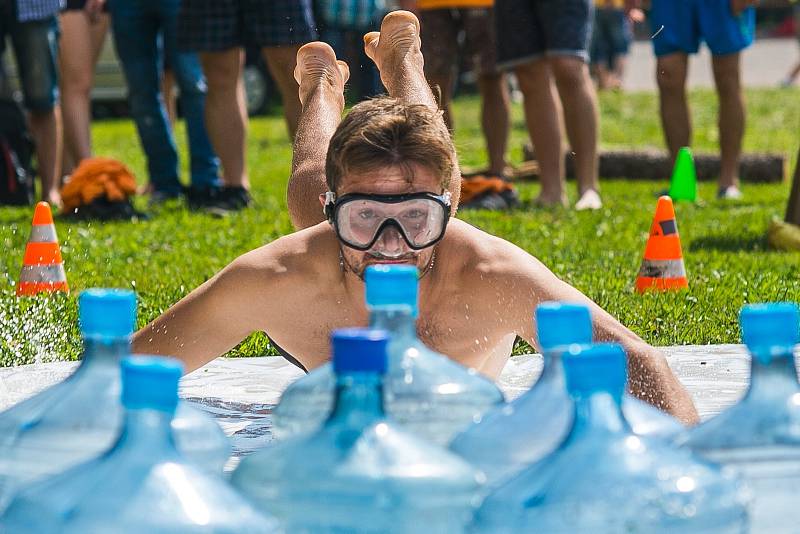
{"points": [[330, 204]]}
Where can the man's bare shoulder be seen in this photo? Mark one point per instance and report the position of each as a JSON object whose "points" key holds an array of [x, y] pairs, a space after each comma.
{"points": [[477, 253], [308, 252]]}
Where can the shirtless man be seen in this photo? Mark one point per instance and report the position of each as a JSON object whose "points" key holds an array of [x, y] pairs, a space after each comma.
{"points": [[477, 292]]}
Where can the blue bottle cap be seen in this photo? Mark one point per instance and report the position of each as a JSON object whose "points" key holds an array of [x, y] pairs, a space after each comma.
{"points": [[150, 382], [600, 367], [560, 324], [359, 350], [392, 285], [107, 314], [770, 328]]}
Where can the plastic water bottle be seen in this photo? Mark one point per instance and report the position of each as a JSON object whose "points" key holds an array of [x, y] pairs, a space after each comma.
{"points": [[510, 437], [360, 472], [143, 484], [79, 418], [760, 435], [603, 478], [426, 392]]}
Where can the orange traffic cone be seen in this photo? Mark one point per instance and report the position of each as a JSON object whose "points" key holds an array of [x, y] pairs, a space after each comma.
{"points": [[42, 268], [662, 266]]}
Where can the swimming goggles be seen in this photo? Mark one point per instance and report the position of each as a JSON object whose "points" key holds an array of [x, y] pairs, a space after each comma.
{"points": [[360, 219]]}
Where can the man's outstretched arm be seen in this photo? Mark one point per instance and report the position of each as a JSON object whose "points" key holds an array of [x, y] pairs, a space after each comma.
{"points": [[206, 323], [649, 375]]}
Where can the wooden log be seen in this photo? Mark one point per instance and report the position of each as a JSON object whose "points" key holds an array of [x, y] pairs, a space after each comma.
{"points": [[793, 207], [657, 165]]}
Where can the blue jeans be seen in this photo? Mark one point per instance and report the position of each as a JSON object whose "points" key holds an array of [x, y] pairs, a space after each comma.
{"points": [[36, 48], [144, 33]]}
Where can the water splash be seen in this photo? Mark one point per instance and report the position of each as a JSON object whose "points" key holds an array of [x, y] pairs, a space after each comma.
{"points": [[38, 329]]}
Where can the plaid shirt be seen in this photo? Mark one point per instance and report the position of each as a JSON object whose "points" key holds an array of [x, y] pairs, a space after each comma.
{"points": [[28, 10]]}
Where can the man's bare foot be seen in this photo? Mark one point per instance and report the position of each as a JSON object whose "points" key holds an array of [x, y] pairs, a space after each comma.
{"points": [[395, 46], [317, 68]]}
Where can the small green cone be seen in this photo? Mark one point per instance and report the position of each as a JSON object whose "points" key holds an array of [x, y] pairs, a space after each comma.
{"points": [[683, 186]]}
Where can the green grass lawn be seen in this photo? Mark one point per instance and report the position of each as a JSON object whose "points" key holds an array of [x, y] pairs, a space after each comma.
{"points": [[165, 257]]}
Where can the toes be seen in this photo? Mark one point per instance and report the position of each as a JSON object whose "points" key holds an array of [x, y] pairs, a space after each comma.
{"points": [[371, 44], [344, 70]]}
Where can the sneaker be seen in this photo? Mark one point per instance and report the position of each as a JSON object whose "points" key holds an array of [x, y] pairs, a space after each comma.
{"points": [[590, 200], [201, 198], [228, 200], [729, 193], [157, 198]]}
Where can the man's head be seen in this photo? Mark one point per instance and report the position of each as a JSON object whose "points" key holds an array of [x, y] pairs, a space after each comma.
{"points": [[380, 152]]}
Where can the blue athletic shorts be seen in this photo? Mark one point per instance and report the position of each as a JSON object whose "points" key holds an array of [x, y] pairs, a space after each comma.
{"points": [[680, 25]]}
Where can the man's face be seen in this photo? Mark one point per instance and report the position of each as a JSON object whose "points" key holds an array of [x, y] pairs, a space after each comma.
{"points": [[390, 246]]}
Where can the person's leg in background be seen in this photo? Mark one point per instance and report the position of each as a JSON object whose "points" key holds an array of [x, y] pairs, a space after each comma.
{"points": [[480, 42], [140, 58], [676, 35], [281, 62], [226, 113], [36, 48], [622, 36], [671, 71], [731, 121], [439, 32], [568, 26], [600, 50], [213, 30], [579, 101], [82, 38], [542, 117], [727, 35], [204, 165], [168, 93], [280, 28], [521, 47]]}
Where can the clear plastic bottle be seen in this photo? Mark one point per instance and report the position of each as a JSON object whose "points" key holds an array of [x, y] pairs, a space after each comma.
{"points": [[426, 392], [760, 435], [510, 437], [603, 478], [143, 484], [79, 418], [360, 472]]}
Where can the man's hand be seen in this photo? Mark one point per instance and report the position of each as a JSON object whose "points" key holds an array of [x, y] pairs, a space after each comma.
{"points": [[93, 9], [737, 6]]}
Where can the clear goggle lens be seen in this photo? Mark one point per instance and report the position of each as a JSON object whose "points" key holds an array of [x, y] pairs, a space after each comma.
{"points": [[421, 221]]}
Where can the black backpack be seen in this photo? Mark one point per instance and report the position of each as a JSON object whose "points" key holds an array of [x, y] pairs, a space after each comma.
{"points": [[16, 153]]}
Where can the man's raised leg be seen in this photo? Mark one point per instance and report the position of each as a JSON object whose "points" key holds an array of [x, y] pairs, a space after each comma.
{"points": [[396, 50], [321, 79]]}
